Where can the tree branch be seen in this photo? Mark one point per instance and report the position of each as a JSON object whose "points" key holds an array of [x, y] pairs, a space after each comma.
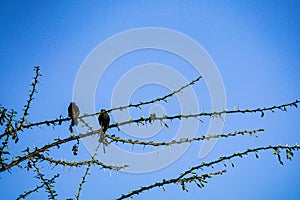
{"points": [[182, 140], [199, 180], [47, 183], [208, 114], [182, 176], [59, 120], [86, 172], [25, 194]]}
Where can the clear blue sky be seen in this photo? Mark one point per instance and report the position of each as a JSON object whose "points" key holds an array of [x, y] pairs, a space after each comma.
{"points": [[255, 44]]}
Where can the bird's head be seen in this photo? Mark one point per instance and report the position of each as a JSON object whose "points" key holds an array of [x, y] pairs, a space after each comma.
{"points": [[103, 111]]}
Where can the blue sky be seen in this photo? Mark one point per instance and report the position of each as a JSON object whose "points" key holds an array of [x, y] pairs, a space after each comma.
{"points": [[255, 45]]}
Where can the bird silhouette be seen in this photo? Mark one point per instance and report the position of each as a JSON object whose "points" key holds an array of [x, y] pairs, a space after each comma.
{"points": [[104, 120], [104, 123], [73, 113]]}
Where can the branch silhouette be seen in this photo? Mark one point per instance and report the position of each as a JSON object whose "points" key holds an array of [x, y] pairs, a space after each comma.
{"points": [[86, 172], [19, 125], [182, 140], [141, 120], [182, 176], [92, 161], [31, 98], [45, 182], [37, 151], [58, 121], [27, 193], [181, 181]]}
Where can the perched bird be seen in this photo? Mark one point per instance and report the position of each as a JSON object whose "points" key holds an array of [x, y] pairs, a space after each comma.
{"points": [[104, 123], [73, 113], [104, 120]]}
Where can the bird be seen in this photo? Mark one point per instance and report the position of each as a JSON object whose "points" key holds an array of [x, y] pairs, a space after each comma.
{"points": [[73, 113], [104, 120]]}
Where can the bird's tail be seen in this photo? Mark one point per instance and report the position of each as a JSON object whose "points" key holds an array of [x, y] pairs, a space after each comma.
{"points": [[75, 122], [104, 129]]}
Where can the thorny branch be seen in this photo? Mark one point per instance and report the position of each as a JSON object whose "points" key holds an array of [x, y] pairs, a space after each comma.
{"points": [[138, 105], [59, 120], [20, 125], [58, 142], [240, 154], [25, 194], [32, 91], [37, 151], [289, 154], [9, 117], [47, 184], [182, 140], [87, 172], [199, 180], [151, 118], [141, 120], [92, 161]]}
